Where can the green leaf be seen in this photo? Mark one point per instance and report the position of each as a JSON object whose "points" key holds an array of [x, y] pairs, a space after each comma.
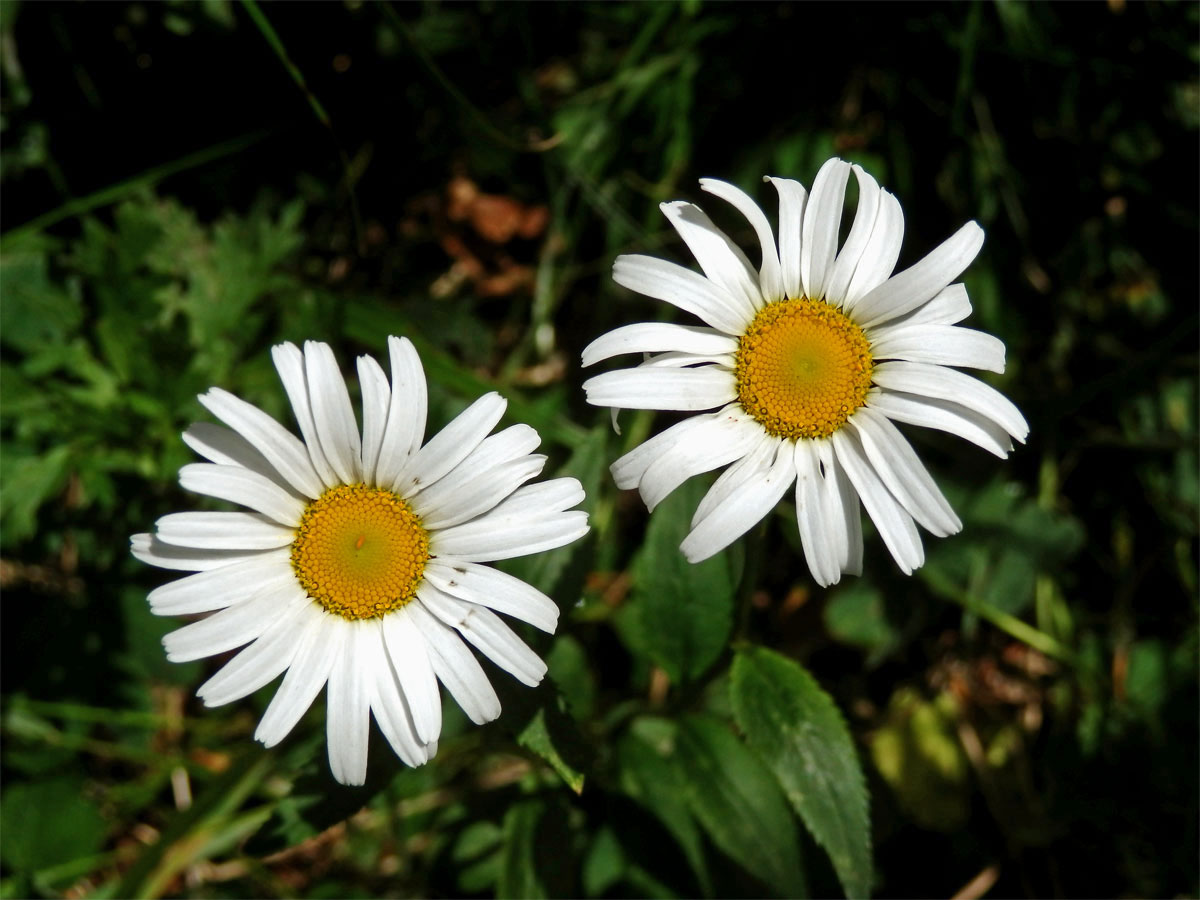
{"points": [[28, 483], [797, 729], [739, 804], [48, 822], [679, 613], [535, 860], [543, 724], [35, 311]]}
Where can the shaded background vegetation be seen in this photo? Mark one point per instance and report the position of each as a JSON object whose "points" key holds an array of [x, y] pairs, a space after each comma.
{"points": [[186, 184]]}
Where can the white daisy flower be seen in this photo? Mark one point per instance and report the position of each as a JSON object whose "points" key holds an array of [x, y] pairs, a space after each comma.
{"points": [[359, 562], [808, 362]]}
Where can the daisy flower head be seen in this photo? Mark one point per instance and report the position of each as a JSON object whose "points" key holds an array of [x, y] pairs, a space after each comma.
{"points": [[807, 363], [358, 563]]}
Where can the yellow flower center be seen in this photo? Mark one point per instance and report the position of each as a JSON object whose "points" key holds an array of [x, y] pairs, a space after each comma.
{"points": [[360, 552], [802, 368]]}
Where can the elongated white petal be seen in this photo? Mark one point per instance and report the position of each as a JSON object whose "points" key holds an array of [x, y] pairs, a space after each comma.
{"points": [[263, 661], [903, 473], [691, 361], [654, 337], [682, 389], [947, 384], [348, 703], [947, 345], [150, 550], [921, 282], [222, 531], [818, 530], [541, 499], [451, 445], [487, 632], [410, 661], [944, 415], [718, 442], [480, 494], [289, 363], [792, 202], [226, 447], [494, 589], [895, 526], [627, 471], [493, 536], [879, 256], [822, 219], [282, 449], [770, 277], [752, 464], [845, 514], [390, 706], [951, 305], [233, 626], [685, 289], [406, 413], [457, 668], [317, 650], [721, 259], [332, 411], [838, 282], [238, 485], [376, 398], [222, 586], [742, 510]]}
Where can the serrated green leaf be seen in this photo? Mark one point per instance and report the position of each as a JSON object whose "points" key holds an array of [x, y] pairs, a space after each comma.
{"points": [[740, 804], [798, 731], [679, 613], [551, 733]]}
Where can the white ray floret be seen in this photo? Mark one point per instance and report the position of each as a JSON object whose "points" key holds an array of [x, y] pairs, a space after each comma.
{"points": [[358, 566], [801, 368]]}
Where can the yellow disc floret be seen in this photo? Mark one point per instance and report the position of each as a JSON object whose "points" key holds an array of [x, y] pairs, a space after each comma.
{"points": [[360, 552], [802, 368]]}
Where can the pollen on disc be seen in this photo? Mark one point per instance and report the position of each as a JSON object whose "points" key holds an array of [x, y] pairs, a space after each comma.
{"points": [[360, 552], [802, 368]]}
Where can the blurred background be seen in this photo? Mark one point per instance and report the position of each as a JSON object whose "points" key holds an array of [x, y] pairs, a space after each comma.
{"points": [[186, 184]]}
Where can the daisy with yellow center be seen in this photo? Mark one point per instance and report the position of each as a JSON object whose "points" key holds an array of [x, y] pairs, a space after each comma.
{"points": [[359, 563], [807, 362]]}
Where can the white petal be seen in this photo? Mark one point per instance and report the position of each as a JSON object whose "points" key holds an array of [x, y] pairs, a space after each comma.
{"points": [[376, 398], [755, 461], [263, 661], [676, 360], [451, 445], [895, 526], [628, 470], [238, 485], [716, 443], [944, 415], [947, 384], [289, 363], [792, 201], [684, 289], [770, 278], [947, 345], [819, 532], [226, 447], [223, 586], [280, 447], [390, 706], [457, 668], [494, 589], [822, 219], [150, 550], [348, 705], [495, 536], [841, 500], [332, 412], [721, 259], [405, 645], [541, 499], [838, 282], [406, 414], [317, 649], [487, 632], [902, 472], [742, 510], [949, 306], [879, 256], [919, 283], [222, 531], [233, 626], [654, 337], [681, 389]]}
